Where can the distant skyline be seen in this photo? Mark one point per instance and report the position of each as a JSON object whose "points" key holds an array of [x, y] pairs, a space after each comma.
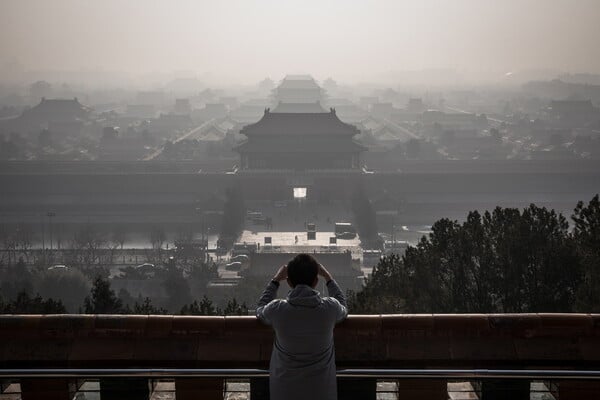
{"points": [[244, 41]]}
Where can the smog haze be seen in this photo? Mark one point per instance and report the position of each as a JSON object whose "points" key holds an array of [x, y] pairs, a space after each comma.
{"points": [[355, 41]]}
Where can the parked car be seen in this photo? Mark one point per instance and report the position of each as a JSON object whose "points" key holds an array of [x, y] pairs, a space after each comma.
{"points": [[244, 248], [344, 228], [345, 235], [240, 258], [146, 268], [233, 266], [59, 267]]}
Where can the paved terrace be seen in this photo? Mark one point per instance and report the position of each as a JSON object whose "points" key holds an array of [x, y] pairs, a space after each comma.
{"points": [[467, 341]]}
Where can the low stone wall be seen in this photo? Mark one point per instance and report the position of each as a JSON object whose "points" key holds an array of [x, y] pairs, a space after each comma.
{"points": [[491, 341]]}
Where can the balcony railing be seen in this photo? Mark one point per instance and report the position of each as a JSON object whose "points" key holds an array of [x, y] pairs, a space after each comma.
{"points": [[499, 355]]}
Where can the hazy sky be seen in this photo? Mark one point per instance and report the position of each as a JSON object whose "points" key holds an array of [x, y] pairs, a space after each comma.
{"points": [[248, 40]]}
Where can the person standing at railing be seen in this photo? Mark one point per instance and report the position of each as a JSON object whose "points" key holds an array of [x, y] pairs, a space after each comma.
{"points": [[303, 358]]}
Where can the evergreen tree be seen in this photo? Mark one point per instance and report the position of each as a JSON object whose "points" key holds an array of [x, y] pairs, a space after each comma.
{"points": [[235, 308], [24, 304], [15, 279], [71, 286], [586, 235], [204, 307], [385, 291], [146, 307], [177, 289], [504, 261], [103, 299]]}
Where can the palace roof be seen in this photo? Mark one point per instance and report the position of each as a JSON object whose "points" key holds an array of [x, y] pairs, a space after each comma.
{"points": [[57, 109], [298, 82], [299, 108], [300, 145], [300, 124]]}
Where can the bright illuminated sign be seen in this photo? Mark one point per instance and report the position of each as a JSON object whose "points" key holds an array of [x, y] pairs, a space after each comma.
{"points": [[299, 192]]}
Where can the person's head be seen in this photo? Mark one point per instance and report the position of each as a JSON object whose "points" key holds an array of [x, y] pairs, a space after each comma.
{"points": [[303, 270]]}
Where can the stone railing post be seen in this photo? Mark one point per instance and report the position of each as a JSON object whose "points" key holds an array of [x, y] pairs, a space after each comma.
{"points": [[501, 389], [124, 388], [578, 390], [422, 389], [199, 388], [259, 389], [357, 388], [47, 389]]}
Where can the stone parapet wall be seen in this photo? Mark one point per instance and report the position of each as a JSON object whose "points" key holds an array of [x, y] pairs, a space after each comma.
{"points": [[566, 341]]}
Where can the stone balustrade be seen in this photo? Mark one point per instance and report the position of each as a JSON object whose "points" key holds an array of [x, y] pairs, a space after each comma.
{"points": [[429, 341]]}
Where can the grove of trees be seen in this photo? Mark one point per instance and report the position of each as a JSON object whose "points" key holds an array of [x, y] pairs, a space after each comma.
{"points": [[507, 261], [102, 299]]}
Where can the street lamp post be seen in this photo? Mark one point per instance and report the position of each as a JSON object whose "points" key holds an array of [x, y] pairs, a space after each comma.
{"points": [[50, 214], [207, 236], [43, 232], [202, 246]]}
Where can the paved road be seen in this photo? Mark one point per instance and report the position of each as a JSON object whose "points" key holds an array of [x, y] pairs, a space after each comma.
{"points": [[195, 130], [458, 110], [182, 137], [401, 128]]}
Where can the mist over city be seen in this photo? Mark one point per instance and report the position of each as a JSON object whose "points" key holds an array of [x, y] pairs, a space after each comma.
{"points": [[436, 162]]}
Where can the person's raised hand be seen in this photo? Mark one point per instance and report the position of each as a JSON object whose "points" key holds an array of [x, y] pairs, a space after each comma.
{"points": [[324, 273], [281, 274]]}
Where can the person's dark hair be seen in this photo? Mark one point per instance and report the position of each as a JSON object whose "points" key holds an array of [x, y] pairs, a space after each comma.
{"points": [[302, 270]]}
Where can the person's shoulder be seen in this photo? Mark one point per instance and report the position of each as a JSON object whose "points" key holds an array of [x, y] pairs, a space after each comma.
{"points": [[331, 302], [276, 303], [335, 309], [270, 309]]}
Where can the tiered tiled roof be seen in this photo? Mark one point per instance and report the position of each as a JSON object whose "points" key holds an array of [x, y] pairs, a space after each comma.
{"points": [[298, 82], [301, 124], [305, 108], [57, 110], [297, 144]]}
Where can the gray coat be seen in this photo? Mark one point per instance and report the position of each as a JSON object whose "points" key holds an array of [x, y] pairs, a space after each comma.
{"points": [[303, 359]]}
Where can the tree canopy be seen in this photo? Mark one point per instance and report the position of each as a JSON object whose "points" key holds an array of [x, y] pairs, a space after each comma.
{"points": [[103, 299], [507, 260]]}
